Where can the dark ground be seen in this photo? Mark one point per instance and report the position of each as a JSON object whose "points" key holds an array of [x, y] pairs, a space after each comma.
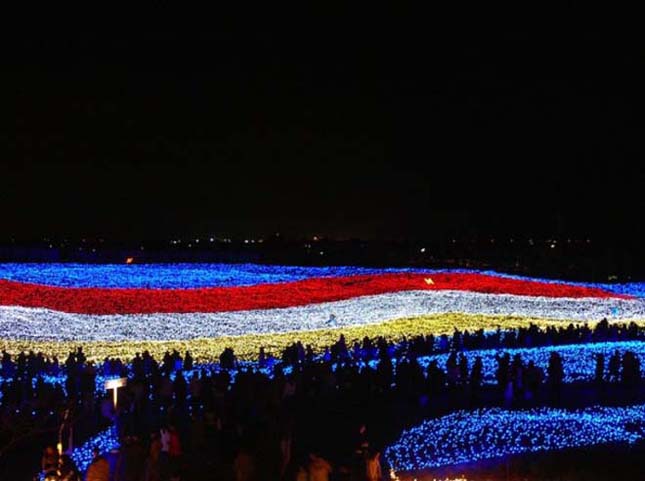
{"points": [[603, 463]]}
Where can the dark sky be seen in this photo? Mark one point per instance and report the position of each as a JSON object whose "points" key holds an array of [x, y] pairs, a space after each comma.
{"points": [[387, 131]]}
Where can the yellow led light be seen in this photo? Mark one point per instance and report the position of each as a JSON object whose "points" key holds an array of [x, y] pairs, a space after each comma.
{"points": [[247, 347]]}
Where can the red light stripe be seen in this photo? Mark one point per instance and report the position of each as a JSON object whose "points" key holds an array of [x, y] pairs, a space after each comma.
{"points": [[269, 296]]}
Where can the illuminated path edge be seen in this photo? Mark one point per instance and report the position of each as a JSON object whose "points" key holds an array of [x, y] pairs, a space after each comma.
{"points": [[471, 436]]}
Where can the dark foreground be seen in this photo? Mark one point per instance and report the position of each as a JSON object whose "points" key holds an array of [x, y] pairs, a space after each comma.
{"points": [[603, 463]]}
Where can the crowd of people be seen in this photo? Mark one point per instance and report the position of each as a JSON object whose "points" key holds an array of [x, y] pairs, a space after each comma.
{"points": [[299, 415]]}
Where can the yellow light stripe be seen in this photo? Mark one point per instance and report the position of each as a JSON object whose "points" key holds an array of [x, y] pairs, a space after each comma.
{"points": [[247, 347]]}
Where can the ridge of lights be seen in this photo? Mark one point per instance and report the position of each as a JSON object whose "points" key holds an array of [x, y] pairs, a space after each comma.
{"points": [[471, 436]]}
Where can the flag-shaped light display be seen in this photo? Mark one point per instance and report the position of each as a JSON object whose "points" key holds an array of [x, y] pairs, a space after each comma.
{"points": [[123, 309]]}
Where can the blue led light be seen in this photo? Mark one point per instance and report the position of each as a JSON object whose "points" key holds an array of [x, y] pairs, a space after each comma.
{"points": [[105, 441], [466, 437], [578, 360], [173, 275], [630, 288], [211, 275]]}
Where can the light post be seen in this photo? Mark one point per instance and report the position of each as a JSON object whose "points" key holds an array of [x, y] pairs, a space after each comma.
{"points": [[115, 384]]}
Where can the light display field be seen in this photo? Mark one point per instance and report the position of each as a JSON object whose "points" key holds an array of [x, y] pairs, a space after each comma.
{"points": [[118, 310]]}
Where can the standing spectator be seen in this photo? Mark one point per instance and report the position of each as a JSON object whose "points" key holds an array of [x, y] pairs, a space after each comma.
{"points": [[600, 368], [555, 373], [188, 361], [286, 439], [99, 468], [503, 366], [476, 374], [319, 468], [534, 376], [452, 369], [463, 369], [373, 466], [152, 469], [361, 442], [631, 369], [614, 367], [164, 453], [49, 461], [244, 466], [130, 464], [174, 448]]}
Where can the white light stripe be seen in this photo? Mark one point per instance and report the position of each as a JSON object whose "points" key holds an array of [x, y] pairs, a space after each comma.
{"points": [[44, 324]]}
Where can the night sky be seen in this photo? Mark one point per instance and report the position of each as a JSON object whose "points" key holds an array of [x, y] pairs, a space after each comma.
{"points": [[370, 131]]}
